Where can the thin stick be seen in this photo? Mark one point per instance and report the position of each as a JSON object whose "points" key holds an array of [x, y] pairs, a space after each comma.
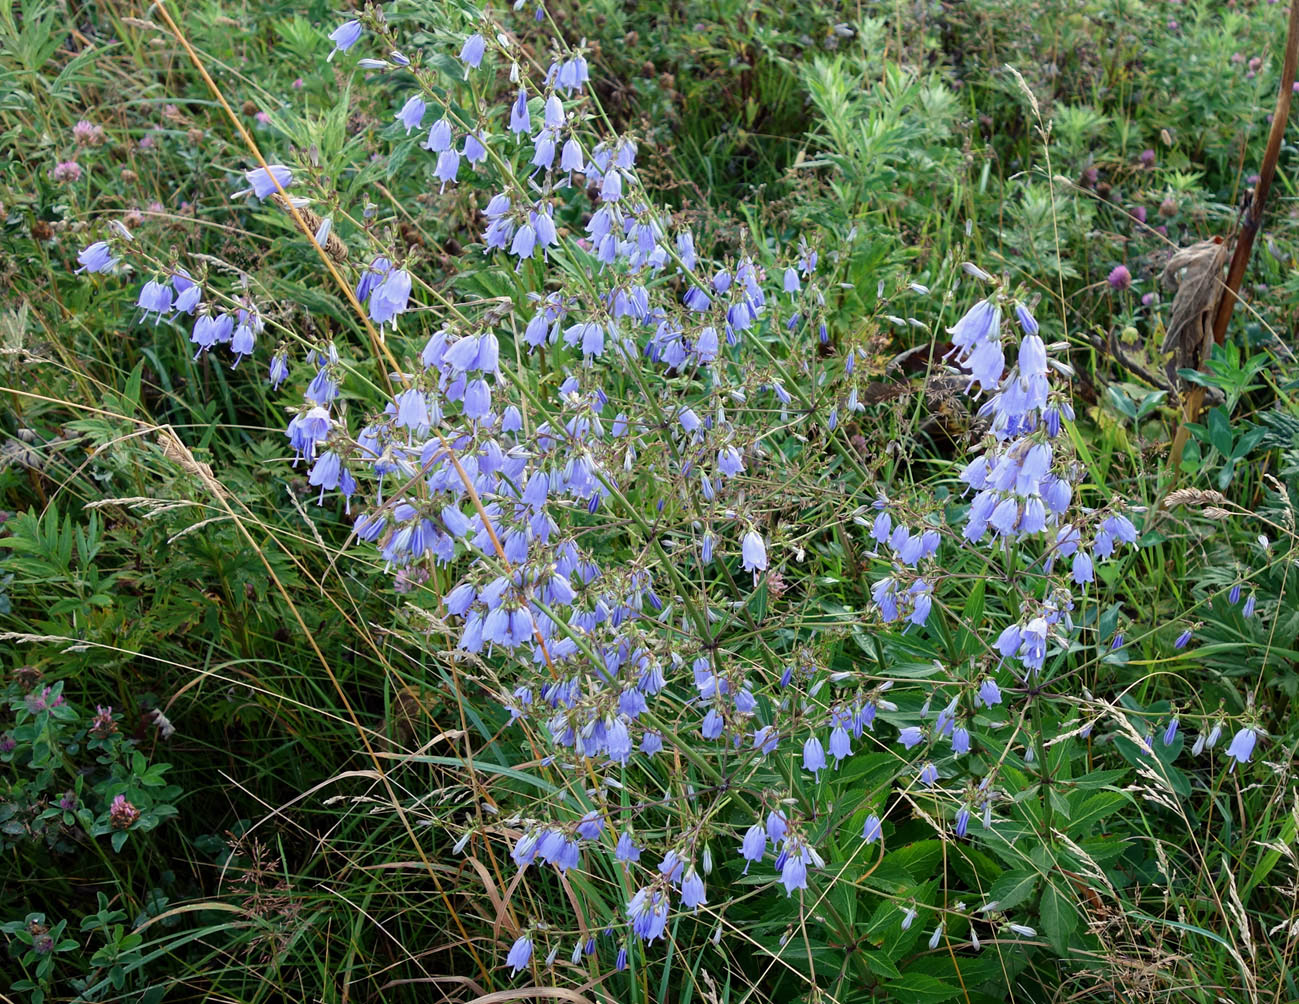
{"points": [[1249, 229]]}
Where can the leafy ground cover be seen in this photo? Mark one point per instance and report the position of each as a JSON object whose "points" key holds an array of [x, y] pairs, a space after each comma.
{"points": [[645, 501]]}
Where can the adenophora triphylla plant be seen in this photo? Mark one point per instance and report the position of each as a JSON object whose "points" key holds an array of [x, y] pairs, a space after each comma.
{"points": [[599, 475]]}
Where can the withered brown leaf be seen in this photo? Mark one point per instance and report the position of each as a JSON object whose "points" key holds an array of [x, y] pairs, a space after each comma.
{"points": [[1195, 273]]}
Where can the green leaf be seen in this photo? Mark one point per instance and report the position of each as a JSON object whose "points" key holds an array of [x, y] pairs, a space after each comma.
{"points": [[1013, 887], [1086, 809], [1059, 917], [921, 988], [1220, 431], [881, 965]]}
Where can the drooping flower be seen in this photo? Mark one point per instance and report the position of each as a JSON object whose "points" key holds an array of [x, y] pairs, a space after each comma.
{"points": [[692, 890], [813, 755], [753, 846], [520, 121], [471, 53], [648, 913], [390, 297], [840, 745], [411, 113], [439, 136], [155, 298], [344, 37], [264, 179], [753, 550], [1242, 746], [98, 257], [520, 955]]}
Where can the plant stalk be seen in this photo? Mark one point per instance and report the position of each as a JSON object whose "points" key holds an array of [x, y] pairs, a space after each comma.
{"points": [[1250, 226]]}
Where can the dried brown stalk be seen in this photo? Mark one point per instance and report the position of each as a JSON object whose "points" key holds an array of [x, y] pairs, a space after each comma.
{"points": [[1250, 226]]}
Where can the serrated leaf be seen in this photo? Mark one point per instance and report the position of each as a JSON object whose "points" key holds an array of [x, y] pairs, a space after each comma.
{"points": [[1013, 887], [1059, 917], [921, 988], [1086, 809], [881, 965]]}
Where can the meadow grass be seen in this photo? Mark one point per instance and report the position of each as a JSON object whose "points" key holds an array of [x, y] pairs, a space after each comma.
{"points": [[296, 725]]}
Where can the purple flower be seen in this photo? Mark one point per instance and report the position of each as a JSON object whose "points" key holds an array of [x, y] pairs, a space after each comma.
{"points": [[471, 53], [980, 323], [520, 954], [753, 550], [439, 136], [1242, 746], [279, 369], [1119, 278], [813, 755], [344, 37], [264, 179], [692, 890], [1248, 609], [793, 873], [840, 745], [573, 73], [474, 150], [1026, 320], [648, 914], [989, 693], [591, 826], [412, 113], [729, 461], [520, 121], [626, 850], [389, 298], [1170, 733], [448, 166], [871, 831], [777, 826], [911, 736], [753, 846], [155, 298], [96, 258], [570, 157]]}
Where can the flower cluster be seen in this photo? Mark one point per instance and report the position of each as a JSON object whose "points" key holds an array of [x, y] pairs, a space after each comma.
{"points": [[594, 464]]}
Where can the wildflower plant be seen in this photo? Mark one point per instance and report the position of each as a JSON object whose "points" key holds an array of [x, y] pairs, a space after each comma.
{"points": [[598, 450], [71, 775]]}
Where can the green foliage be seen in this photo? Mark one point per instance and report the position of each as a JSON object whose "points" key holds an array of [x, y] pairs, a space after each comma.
{"points": [[219, 602]]}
